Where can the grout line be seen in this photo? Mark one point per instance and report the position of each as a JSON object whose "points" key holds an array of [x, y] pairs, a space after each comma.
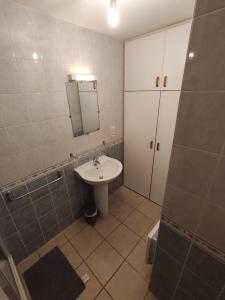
{"points": [[196, 149]]}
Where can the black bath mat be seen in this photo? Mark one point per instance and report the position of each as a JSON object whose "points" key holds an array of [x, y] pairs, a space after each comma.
{"points": [[53, 278]]}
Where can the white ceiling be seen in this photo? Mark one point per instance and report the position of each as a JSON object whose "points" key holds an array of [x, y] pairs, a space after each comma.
{"points": [[136, 16]]}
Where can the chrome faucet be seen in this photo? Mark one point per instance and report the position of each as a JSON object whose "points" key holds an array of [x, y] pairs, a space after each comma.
{"points": [[96, 161]]}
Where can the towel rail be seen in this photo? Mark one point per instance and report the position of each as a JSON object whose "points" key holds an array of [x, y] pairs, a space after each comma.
{"points": [[10, 197]]}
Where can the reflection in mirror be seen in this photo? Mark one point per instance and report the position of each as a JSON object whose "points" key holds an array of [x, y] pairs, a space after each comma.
{"points": [[83, 103]]}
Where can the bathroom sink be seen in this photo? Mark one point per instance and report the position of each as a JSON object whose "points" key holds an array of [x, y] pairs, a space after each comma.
{"points": [[105, 172], [99, 173]]}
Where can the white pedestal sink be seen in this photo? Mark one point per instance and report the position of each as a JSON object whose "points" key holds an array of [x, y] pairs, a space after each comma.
{"points": [[100, 176]]}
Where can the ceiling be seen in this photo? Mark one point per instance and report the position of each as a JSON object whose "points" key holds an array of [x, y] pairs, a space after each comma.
{"points": [[136, 16]]}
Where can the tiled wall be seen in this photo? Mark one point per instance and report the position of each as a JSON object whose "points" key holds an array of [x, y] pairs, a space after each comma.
{"points": [[37, 52], [190, 259], [28, 223]]}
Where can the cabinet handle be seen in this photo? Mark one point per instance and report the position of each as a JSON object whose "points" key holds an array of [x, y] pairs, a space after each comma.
{"points": [[158, 146], [157, 81], [165, 81], [151, 145]]}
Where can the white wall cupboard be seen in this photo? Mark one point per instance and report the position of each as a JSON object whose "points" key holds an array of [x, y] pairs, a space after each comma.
{"points": [[140, 123], [156, 62], [143, 62], [154, 67], [168, 107]]}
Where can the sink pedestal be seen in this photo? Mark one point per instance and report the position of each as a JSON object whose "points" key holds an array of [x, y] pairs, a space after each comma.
{"points": [[102, 199]]}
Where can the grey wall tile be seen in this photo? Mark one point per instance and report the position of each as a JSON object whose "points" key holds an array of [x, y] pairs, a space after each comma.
{"points": [[211, 227], [69, 172], [194, 288], [3, 209], [66, 221], [24, 216], [15, 247], [7, 227], [49, 220], [63, 210], [30, 232], [206, 6], [38, 184], [43, 205], [206, 267], [217, 191], [182, 208], [175, 244], [59, 196], [35, 244], [200, 121], [205, 71], [53, 176], [15, 193], [51, 232], [165, 275], [191, 170]]}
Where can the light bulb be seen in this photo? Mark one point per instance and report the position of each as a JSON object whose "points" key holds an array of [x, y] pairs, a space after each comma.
{"points": [[113, 17]]}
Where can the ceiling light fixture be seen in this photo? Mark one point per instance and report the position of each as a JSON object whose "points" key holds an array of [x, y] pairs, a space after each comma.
{"points": [[113, 16]]}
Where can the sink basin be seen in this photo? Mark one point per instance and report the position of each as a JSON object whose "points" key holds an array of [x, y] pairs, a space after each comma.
{"points": [[100, 176], [108, 169]]}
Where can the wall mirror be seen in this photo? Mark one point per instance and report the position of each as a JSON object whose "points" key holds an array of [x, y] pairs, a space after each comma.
{"points": [[83, 103]]}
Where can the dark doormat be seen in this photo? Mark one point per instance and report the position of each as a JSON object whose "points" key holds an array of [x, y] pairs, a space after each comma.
{"points": [[53, 278]]}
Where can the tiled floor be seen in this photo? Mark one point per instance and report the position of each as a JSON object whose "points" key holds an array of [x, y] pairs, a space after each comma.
{"points": [[112, 252]]}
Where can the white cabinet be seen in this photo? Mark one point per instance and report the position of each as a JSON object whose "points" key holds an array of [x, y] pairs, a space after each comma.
{"points": [[151, 106], [156, 61], [143, 62], [140, 120], [168, 107], [175, 56]]}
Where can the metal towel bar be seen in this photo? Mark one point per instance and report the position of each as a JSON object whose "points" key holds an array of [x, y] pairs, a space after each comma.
{"points": [[10, 197]]}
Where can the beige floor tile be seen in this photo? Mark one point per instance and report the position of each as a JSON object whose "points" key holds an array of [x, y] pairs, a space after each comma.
{"points": [[58, 241], [104, 262], [127, 284], [128, 196], [107, 225], [86, 241], [92, 288], [76, 227], [28, 262], [138, 222], [103, 296], [137, 260], [72, 256], [150, 296], [123, 240], [150, 209], [120, 209]]}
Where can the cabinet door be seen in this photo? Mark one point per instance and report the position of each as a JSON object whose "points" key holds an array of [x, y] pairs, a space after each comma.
{"points": [[143, 62], [177, 39], [169, 102], [140, 121]]}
